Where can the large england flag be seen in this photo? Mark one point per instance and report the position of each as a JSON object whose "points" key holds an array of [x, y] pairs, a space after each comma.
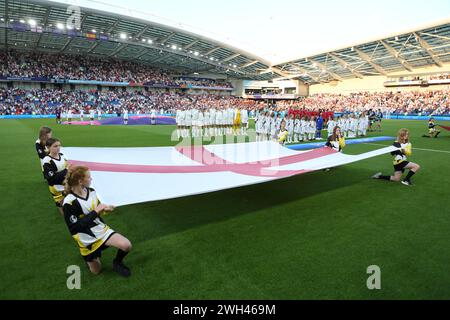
{"points": [[125, 176]]}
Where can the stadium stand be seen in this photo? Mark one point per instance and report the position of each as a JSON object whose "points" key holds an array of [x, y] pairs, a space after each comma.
{"points": [[46, 66], [45, 101], [16, 101]]}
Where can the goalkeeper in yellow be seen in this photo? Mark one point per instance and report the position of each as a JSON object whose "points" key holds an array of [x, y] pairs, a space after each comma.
{"points": [[400, 160], [237, 121]]}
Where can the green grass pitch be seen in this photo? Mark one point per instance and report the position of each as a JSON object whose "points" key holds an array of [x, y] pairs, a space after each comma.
{"points": [[307, 237]]}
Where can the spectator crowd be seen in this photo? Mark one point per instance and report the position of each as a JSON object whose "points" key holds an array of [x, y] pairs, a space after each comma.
{"points": [[14, 101], [68, 67], [47, 101], [416, 102]]}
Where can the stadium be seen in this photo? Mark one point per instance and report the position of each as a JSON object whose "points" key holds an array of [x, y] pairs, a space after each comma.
{"points": [[223, 175]]}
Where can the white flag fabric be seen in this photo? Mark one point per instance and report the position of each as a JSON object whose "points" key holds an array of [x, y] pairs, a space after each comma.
{"points": [[123, 176]]}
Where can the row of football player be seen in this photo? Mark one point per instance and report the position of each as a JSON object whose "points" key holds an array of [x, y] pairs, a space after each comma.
{"points": [[68, 115], [196, 123], [307, 128]]}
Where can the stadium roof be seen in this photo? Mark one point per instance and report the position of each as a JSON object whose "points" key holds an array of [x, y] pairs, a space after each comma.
{"points": [[406, 51], [123, 37]]}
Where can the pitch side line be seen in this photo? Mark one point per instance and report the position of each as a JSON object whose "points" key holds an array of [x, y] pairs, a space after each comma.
{"points": [[432, 150]]}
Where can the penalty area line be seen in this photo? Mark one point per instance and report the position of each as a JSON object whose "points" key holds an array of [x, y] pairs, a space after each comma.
{"points": [[431, 150]]}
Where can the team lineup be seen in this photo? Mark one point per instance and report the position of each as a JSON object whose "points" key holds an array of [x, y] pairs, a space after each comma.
{"points": [[227, 121]]}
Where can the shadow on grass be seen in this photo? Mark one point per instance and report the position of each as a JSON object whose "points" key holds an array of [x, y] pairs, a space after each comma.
{"points": [[156, 219]]}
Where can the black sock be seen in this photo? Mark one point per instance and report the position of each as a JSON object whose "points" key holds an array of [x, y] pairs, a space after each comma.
{"points": [[385, 178], [120, 255], [410, 174]]}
